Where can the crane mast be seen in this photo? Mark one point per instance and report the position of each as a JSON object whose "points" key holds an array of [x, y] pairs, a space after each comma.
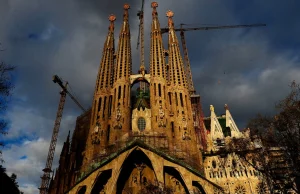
{"points": [[195, 99], [141, 43], [185, 50], [47, 170], [187, 65]]}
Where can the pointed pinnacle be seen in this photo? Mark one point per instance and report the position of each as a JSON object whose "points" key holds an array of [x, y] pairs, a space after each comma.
{"points": [[170, 14], [154, 4], [112, 17], [126, 6]]}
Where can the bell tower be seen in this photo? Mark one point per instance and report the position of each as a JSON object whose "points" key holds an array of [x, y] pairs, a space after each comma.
{"points": [[158, 75], [178, 99], [101, 109], [121, 111]]}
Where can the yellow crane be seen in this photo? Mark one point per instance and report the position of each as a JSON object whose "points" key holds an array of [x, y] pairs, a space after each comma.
{"points": [[47, 170]]}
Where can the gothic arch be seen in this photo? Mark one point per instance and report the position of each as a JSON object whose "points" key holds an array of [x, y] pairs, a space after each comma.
{"points": [[176, 176], [81, 190], [101, 181], [199, 187], [136, 160], [139, 77]]}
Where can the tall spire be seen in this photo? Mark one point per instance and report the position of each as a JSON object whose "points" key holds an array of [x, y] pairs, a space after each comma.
{"points": [[158, 74], [123, 68], [105, 73], [157, 61], [177, 74], [102, 96]]}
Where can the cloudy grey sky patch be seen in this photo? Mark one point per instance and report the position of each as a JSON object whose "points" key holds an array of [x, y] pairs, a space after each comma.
{"points": [[248, 69]]}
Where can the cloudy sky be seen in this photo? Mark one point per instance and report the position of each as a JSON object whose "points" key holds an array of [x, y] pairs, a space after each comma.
{"points": [[249, 69]]}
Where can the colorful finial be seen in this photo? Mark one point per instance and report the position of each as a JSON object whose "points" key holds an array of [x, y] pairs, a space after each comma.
{"points": [[154, 4], [112, 17], [212, 109], [170, 14], [126, 6], [226, 107]]}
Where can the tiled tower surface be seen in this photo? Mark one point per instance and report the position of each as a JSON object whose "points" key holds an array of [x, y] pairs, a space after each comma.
{"points": [[121, 115], [158, 76], [101, 109], [156, 136], [179, 102]]}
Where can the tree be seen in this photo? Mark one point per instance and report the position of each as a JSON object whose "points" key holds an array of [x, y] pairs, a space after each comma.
{"points": [[276, 144], [7, 184], [6, 87], [13, 177]]}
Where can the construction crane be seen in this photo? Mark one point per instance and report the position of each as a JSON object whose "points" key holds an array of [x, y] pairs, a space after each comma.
{"points": [[185, 50], [195, 99], [47, 170], [140, 42]]}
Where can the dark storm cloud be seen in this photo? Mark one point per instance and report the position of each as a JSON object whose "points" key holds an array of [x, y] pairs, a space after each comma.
{"points": [[249, 69]]}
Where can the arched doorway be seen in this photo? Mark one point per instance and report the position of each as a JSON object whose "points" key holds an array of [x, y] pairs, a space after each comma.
{"points": [[101, 181], [136, 172]]}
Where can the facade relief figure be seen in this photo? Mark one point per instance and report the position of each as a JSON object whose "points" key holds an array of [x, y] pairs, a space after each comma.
{"points": [[185, 135], [95, 135], [161, 117], [118, 118], [97, 127]]}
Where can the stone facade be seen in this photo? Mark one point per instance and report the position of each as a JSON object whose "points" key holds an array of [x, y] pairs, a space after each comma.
{"points": [[156, 135]]}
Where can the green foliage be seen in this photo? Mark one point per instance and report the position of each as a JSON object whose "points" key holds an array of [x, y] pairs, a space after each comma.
{"points": [[8, 184], [6, 87]]}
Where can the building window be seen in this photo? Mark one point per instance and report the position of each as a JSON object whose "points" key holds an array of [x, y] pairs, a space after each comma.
{"points": [[141, 124], [214, 164]]}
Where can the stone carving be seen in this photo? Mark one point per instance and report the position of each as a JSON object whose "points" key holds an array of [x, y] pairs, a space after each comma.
{"points": [[138, 178], [118, 117], [161, 117], [95, 135], [240, 189], [185, 135], [97, 127]]}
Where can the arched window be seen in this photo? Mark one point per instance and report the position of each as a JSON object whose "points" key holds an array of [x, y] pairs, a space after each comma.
{"points": [[234, 163], [214, 164]]}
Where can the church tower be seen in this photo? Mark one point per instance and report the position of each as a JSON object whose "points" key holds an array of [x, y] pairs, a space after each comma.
{"points": [[121, 111], [158, 75], [179, 101], [133, 140], [101, 109]]}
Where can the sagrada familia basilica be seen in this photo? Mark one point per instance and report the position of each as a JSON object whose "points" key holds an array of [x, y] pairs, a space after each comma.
{"points": [[154, 134]]}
